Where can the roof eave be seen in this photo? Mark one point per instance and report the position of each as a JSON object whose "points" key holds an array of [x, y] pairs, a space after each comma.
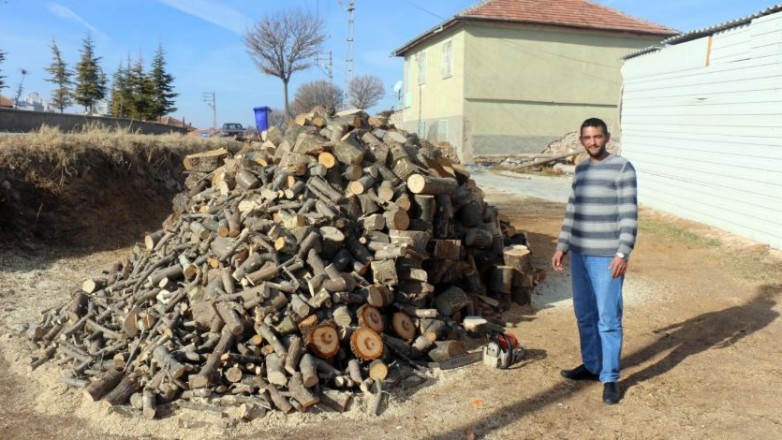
{"points": [[459, 19]]}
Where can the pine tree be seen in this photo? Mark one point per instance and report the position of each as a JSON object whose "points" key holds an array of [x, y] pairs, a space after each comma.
{"points": [[62, 96], [2, 78], [163, 94], [90, 79], [121, 96], [141, 92]]}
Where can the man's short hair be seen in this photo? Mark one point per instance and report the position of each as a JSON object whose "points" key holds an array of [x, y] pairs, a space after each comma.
{"points": [[594, 122]]}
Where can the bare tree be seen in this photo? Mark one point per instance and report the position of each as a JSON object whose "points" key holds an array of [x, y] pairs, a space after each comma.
{"points": [[276, 118], [316, 93], [281, 45], [20, 88], [366, 91]]}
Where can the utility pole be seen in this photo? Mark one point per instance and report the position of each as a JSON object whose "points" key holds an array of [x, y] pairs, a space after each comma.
{"points": [[351, 9], [327, 64], [209, 99]]}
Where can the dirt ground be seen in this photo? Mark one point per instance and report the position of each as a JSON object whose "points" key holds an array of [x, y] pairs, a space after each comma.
{"points": [[701, 357]]}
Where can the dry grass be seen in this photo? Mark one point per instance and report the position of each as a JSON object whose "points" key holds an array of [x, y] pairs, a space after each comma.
{"points": [[47, 157]]}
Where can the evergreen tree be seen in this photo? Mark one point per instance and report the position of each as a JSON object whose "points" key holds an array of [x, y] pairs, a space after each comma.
{"points": [[141, 92], [121, 96], [62, 96], [2, 78], [90, 79], [163, 94]]}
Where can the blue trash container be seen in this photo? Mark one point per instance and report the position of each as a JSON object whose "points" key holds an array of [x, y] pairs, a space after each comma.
{"points": [[262, 118]]}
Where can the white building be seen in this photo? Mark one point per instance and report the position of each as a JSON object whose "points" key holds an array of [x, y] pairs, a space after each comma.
{"points": [[701, 121]]}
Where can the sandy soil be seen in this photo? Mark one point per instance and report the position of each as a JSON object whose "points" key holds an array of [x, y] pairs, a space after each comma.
{"points": [[701, 357]]}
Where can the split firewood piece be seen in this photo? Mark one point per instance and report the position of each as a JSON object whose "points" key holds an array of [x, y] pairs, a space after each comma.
{"points": [[451, 301], [403, 326], [336, 400], [369, 316], [206, 161], [444, 350], [366, 344], [323, 340]]}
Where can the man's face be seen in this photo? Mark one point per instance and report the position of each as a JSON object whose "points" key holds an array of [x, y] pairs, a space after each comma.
{"points": [[594, 140]]}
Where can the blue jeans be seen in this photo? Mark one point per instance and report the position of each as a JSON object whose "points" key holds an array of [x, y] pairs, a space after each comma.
{"points": [[597, 301]]}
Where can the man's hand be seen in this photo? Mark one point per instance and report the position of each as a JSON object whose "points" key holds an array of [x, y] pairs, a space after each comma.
{"points": [[618, 267], [556, 261]]}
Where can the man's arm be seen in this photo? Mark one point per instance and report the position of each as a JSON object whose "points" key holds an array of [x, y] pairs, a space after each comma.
{"points": [[563, 242], [627, 200]]}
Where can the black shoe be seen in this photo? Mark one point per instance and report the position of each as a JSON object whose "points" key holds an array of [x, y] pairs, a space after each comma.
{"points": [[610, 393], [579, 373]]}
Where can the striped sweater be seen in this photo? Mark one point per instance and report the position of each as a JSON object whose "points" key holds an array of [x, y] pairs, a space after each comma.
{"points": [[602, 212]]}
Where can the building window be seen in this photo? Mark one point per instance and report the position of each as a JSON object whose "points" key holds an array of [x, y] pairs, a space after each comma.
{"points": [[447, 67], [421, 68], [442, 130]]}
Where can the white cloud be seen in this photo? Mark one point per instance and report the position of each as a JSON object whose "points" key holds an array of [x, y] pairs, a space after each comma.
{"points": [[66, 13], [212, 12]]}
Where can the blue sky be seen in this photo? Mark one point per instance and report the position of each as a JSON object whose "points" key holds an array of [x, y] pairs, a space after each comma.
{"points": [[205, 53]]}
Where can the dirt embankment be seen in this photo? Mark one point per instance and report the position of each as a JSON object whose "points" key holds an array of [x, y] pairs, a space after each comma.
{"points": [[97, 190]]}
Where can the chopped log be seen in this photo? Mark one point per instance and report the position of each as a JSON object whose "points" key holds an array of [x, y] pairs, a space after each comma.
{"points": [[300, 392], [379, 296], [96, 390], [279, 401], [448, 249], [348, 153], [205, 377], [206, 161], [451, 301], [168, 363], [421, 184], [323, 340], [403, 326], [444, 350], [148, 404], [309, 374], [336, 400], [431, 329], [501, 279], [366, 344], [369, 316], [274, 370], [378, 370], [354, 370], [122, 392], [341, 316], [384, 272], [294, 354], [233, 322]]}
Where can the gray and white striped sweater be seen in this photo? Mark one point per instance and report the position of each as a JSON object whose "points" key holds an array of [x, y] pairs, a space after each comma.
{"points": [[602, 212]]}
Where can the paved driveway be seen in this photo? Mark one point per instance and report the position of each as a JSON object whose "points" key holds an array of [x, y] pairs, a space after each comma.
{"points": [[553, 189]]}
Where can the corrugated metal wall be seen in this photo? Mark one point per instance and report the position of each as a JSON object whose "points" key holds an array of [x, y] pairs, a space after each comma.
{"points": [[707, 139]]}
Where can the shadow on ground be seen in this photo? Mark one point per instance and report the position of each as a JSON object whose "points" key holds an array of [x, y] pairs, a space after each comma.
{"points": [[711, 330]]}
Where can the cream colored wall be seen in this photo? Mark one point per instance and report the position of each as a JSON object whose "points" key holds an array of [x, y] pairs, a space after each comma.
{"points": [[439, 98], [527, 87], [515, 90]]}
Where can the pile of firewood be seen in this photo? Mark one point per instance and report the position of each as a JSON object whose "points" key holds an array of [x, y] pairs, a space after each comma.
{"points": [[321, 262]]}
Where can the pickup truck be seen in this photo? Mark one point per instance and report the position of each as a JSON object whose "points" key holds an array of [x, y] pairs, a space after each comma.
{"points": [[231, 129]]}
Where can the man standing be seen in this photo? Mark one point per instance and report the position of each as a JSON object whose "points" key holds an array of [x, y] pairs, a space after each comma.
{"points": [[599, 232]]}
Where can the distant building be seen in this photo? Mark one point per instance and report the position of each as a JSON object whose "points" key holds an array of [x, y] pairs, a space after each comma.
{"points": [[32, 102], [510, 76], [170, 120], [6, 102]]}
